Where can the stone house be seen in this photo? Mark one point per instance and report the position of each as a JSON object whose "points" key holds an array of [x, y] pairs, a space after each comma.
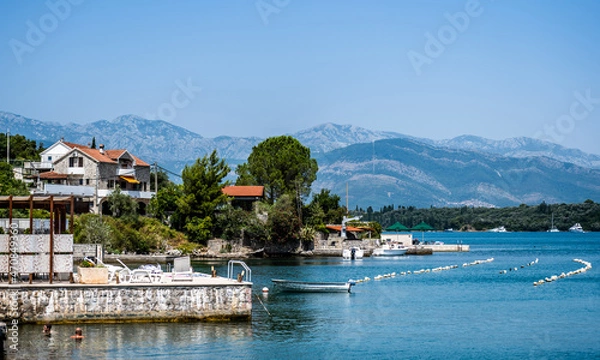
{"points": [[92, 174]]}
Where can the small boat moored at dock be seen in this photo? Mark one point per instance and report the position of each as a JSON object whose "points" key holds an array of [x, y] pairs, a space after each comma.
{"points": [[353, 253], [390, 249], [309, 286]]}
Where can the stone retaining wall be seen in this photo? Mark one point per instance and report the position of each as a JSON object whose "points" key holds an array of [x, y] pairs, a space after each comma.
{"points": [[114, 303]]}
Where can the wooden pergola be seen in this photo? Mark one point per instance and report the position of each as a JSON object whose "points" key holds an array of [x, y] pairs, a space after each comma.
{"points": [[56, 205]]}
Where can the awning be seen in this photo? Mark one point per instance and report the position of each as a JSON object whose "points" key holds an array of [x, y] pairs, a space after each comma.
{"points": [[348, 228], [129, 179]]}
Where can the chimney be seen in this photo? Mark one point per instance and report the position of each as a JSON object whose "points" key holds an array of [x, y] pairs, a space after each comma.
{"points": [[101, 147]]}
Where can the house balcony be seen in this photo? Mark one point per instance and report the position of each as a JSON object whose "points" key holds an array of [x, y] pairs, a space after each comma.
{"points": [[38, 165], [90, 191], [126, 172], [76, 171], [134, 194], [77, 190]]}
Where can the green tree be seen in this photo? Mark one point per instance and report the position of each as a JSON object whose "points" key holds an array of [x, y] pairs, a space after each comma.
{"points": [[93, 146], [121, 204], [162, 180], [283, 222], [163, 205], [21, 148], [8, 184], [330, 203], [90, 229], [282, 165], [202, 195]]}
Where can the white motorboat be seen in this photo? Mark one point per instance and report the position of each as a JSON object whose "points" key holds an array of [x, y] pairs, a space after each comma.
{"points": [[576, 228], [390, 249], [310, 286], [500, 229], [353, 253]]}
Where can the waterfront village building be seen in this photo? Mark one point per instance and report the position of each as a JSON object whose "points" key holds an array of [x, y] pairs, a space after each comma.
{"points": [[67, 168], [243, 196]]}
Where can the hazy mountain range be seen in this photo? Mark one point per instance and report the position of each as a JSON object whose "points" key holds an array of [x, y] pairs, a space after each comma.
{"points": [[378, 168]]}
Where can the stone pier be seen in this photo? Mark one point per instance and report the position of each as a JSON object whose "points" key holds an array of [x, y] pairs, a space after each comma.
{"points": [[203, 299]]}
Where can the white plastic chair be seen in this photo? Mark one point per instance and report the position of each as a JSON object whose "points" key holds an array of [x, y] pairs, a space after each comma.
{"points": [[182, 269], [126, 275]]}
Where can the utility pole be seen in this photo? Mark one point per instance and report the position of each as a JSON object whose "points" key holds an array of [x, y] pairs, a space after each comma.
{"points": [[155, 177], [8, 146]]}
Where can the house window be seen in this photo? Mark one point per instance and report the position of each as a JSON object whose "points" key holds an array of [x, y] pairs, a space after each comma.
{"points": [[126, 164], [87, 181], [111, 184], [80, 181], [144, 186], [49, 158], [76, 161]]}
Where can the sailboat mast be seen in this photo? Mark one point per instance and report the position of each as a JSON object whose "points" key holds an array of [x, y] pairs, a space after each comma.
{"points": [[347, 208]]}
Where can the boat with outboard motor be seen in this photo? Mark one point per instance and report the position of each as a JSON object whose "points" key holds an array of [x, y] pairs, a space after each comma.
{"points": [[353, 253], [390, 249], [313, 286]]}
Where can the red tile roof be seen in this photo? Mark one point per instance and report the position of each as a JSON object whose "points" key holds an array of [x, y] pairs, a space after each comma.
{"points": [[73, 145], [97, 155], [109, 156], [348, 228], [115, 154], [51, 175], [240, 191]]}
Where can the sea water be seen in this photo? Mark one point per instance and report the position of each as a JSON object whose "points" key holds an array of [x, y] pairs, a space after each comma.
{"points": [[484, 311]]}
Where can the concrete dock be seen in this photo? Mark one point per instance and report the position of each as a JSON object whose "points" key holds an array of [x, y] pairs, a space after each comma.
{"points": [[204, 298], [448, 248]]}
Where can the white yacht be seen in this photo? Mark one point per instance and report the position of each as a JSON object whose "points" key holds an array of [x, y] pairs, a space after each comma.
{"points": [[576, 228], [500, 229]]}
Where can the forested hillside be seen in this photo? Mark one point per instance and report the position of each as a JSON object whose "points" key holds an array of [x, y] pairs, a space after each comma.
{"points": [[520, 218]]}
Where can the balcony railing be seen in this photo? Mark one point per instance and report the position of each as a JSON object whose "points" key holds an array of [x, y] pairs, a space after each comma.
{"points": [[90, 191], [133, 193], [38, 165], [128, 172], [79, 190], [76, 171]]}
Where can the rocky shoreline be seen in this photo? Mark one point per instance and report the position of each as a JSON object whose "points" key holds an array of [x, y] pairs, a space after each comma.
{"points": [[243, 253]]}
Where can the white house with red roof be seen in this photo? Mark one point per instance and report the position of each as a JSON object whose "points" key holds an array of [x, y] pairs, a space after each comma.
{"points": [[92, 174]]}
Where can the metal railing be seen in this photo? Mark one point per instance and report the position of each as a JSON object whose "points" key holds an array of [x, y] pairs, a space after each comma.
{"points": [[247, 271]]}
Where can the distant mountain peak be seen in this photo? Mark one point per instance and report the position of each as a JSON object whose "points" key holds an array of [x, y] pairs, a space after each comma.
{"points": [[467, 169]]}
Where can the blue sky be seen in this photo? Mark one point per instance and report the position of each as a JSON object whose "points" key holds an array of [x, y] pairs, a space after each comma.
{"points": [[435, 69]]}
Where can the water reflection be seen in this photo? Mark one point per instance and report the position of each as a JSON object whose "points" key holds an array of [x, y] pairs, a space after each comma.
{"points": [[112, 341], [466, 313]]}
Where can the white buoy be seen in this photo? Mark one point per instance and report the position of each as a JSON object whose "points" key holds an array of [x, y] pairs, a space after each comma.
{"points": [[265, 289]]}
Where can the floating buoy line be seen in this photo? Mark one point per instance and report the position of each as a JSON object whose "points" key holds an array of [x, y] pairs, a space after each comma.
{"points": [[552, 278], [477, 262], [422, 271], [522, 266]]}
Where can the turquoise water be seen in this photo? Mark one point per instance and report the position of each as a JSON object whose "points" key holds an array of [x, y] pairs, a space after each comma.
{"points": [[469, 312]]}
